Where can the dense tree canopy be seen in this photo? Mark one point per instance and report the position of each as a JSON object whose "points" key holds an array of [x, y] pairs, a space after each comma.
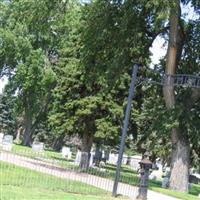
{"points": [[69, 65]]}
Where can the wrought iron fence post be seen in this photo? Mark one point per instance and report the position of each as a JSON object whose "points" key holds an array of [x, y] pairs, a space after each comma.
{"points": [[125, 127], [145, 165]]}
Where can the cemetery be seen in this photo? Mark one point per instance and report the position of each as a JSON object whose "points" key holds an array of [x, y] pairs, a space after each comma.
{"points": [[99, 100], [7, 142], [129, 173], [52, 189]]}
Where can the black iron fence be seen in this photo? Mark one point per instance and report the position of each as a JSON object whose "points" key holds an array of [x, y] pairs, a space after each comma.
{"points": [[31, 168]]}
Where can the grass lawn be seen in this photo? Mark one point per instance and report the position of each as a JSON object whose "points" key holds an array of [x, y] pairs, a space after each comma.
{"points": [[18, 183], [191, 196], [27, 151], [127, 176], [24, 193]]}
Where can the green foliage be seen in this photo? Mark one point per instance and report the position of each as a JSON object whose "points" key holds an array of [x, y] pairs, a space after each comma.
{"points": [[8, 116], [87, 51], [29, 41]]}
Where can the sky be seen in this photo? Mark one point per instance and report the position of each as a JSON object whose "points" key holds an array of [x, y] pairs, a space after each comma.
{"points": [[158, 48]]}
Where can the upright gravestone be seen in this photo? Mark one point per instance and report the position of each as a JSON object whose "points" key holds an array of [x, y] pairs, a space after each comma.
{"points": [[38, 147], [78, 158], [66, 153], [92, 155], [1, 138], [7, 142], [97, 157], [106, 154], [157, 172], [134, 162], [166, 174], [124, 160], [165, 182], [113, 159]]}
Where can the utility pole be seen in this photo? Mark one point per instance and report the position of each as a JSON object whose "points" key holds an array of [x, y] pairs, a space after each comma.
{"points": [[125, 127]]}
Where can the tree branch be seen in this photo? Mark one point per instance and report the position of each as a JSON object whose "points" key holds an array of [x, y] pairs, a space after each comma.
{"points": [[154, 35]]}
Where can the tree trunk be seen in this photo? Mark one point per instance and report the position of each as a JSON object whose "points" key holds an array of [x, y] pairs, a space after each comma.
{"points": [[27, 135], [87, 141], [98, 155], [180, 146], [27, 128], [107, 153], [18, 135], [180, 163], [58, 143]]}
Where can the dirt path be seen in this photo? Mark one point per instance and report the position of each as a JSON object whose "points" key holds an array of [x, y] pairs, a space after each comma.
{"points": [[53, 169]]}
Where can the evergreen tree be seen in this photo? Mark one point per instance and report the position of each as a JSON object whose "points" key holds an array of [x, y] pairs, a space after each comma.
{"points": [[122, 33], [7, 114]]}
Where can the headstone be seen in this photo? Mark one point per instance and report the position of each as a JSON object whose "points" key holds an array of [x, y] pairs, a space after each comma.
{"points": [[1, 138], [103, 155], [107, 154], [134, 162], [97, 157], [165, 182], [113, 158], [7, 142], [78, 158], [38, 146], [193, 178], [124, 160], [66, 153], [102, 164], [157, 171], [92, 154], [152, 177]]}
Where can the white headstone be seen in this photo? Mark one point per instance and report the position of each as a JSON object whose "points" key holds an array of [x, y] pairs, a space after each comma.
{"points": [[124, 160], [38, 146], [103, 154], [134, 162], [157, 171], [7, 142], [1, 138], [66, 153], [152, 177], [78, 158], [113, 158], [91, 158]]}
